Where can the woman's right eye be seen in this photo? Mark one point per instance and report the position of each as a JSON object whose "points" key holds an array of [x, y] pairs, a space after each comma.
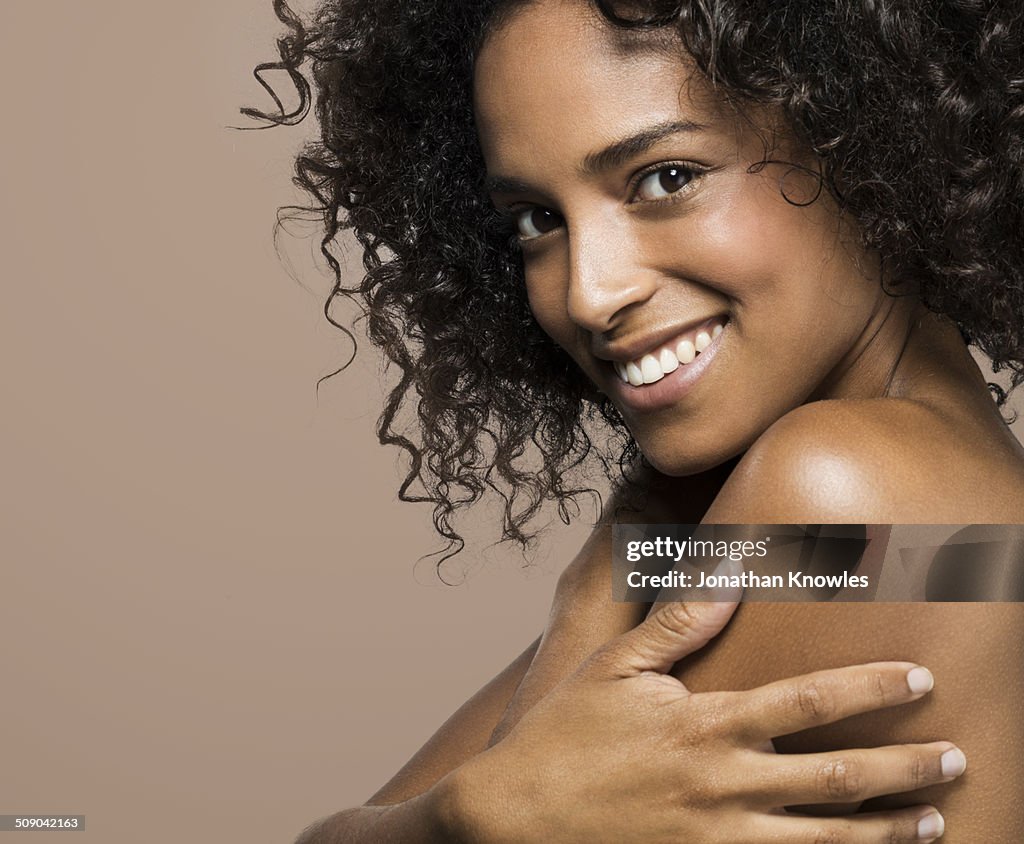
{"points": [[535, 221]]}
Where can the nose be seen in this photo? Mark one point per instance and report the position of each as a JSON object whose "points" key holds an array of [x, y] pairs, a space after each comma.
{"points": [[606, 275]]}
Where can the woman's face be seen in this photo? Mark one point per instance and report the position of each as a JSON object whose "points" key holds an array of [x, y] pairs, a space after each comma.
{"points": [[652, 251]]}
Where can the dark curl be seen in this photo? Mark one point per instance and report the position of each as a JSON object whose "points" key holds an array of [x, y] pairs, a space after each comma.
{"points": [[915, 110]]}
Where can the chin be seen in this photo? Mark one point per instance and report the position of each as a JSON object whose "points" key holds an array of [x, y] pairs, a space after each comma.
{"points": [[678, 463]]}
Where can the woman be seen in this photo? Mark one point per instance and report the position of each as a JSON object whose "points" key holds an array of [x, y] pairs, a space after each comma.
{"points": [[753, 241]]}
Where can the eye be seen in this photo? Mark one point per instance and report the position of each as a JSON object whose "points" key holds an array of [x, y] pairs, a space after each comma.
{"points": [[663, 182], [535, 221]]}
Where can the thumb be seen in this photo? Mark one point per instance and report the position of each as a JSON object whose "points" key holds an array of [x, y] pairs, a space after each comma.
{"points": [[674, 630]]}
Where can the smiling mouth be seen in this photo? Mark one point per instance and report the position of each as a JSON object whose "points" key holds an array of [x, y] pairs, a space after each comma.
{"points": [[680, 351]]}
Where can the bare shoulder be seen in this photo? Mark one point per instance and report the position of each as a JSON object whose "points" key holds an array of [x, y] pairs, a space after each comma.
{"points": [[875, 460]]}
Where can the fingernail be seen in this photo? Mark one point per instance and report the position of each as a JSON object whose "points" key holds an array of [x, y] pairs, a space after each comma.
{"points": [[954, 762], [931, 827], [920, 680]]}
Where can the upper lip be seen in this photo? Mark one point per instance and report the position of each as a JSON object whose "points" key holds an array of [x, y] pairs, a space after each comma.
{"points": [[633, 348]]}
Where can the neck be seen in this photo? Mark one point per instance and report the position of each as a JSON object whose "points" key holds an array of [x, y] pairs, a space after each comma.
{"points": [[872, 367]]}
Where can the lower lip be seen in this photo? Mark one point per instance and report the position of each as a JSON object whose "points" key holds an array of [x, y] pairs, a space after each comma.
{"points": [[670, 389]]}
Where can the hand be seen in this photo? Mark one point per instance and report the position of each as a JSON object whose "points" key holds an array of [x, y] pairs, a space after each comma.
{"points": [[620, 751]]}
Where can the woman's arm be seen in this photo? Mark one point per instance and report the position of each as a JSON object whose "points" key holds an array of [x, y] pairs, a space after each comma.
{"points": [[461, 737], [404, 799], [697, 762], [581, 620], [558, 774], [418, 802], [859, 462], [414, 805], [421, 820], [583, 617], [975, 653], [571, 635], [476, 724]]}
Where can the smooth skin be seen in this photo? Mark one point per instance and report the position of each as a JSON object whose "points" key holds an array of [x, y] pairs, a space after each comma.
{"points": [[621, 751], [828, 401]]}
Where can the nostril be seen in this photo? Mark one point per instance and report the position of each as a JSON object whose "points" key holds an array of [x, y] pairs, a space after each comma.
{"points": [[602, 288]]}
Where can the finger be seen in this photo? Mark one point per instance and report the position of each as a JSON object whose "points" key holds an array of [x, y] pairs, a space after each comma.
{"points": [[799, 703], [668, 634], [851, 776], [919, 823]]}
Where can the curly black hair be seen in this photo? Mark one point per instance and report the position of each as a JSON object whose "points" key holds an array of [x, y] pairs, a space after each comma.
{"points": [[914, 110]]}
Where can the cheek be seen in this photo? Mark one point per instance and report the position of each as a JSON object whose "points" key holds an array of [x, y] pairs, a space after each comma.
{"points": [[767, 252], [547, 297], [743, 240]]}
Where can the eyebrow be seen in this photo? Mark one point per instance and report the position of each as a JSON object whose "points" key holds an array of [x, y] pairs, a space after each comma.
{"points": [[611, 156], [621, 151], [502, 184]]}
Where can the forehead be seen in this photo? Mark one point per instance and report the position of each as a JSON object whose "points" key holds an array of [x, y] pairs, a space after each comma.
{"points": [[555, 72]]}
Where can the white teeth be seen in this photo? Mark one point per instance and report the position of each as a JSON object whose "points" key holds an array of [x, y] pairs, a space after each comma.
{"points": [[655, 366], [650, 369], [686, 352], [633, 373]]}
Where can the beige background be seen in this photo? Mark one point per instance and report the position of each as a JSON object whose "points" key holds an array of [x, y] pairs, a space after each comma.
{"points": [[213, 625]]}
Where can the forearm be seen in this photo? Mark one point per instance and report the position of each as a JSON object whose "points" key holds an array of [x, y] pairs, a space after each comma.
{"points": [[432, 816], [582, 619]]}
